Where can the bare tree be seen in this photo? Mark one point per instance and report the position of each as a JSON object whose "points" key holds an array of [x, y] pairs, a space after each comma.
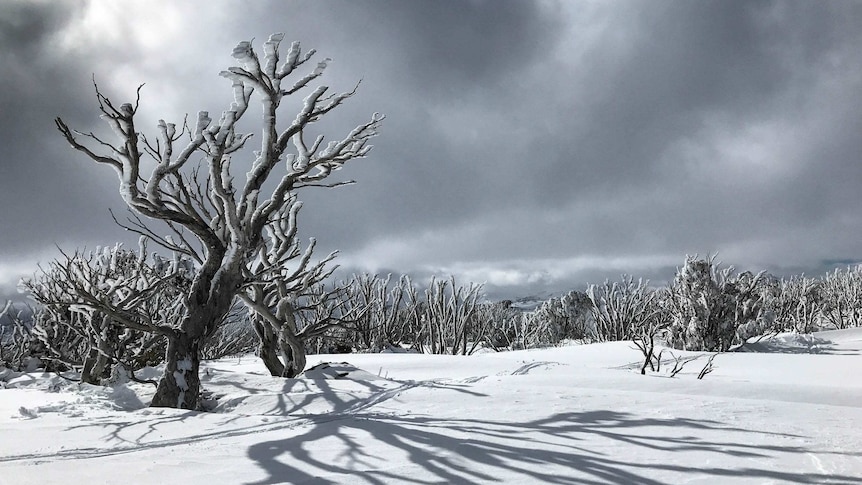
{"points": [[226, 224]]}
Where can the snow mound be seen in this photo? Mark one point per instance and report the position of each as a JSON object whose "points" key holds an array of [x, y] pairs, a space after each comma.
{"points": [[830, 342], [341, 370], [790, 344], [55, 395]]}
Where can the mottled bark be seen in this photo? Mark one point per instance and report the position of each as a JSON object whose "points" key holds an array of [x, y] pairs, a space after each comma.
{"points": [[281, 349], [180, 386], [293, 353], [268, 349]]}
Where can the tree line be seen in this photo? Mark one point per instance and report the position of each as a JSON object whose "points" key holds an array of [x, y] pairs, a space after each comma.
{"points": [[706, 307]]}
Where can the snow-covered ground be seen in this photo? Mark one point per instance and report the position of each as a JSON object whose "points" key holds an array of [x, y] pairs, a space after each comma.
{"points": [[787, 411]]}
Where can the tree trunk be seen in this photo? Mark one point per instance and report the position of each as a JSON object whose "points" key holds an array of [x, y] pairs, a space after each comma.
{"points": [[87, 374], [293, 350], [96, 363], [282, 353], [433, 336], [269, 349], [180, 385]]}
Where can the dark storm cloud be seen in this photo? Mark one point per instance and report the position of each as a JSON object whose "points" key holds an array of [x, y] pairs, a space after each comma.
{"points": [[453, 49], [420, 60], [527, 144], [43, 195], [681, 67], [417, 60], [683, 61], [46, 197]]}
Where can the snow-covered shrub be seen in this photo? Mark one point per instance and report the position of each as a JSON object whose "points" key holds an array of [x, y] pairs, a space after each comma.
{"points": [[441, 319], [711, 309], [503, 325], [621, 308], [16, 324], [842, 298], [796, 303], [448, 313], [102, 308], [567, 317], [382, 321]]}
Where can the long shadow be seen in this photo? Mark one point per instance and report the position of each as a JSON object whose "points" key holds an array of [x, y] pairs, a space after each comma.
{"points": [[560, 449], [130, 432], [540, 451], [305, 396]]}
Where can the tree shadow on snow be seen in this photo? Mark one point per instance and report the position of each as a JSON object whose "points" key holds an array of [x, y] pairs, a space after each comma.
{"points": [[567, 448], [797, 344]]}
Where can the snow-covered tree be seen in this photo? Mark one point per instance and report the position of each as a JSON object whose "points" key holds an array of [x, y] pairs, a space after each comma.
{"points": [[16, 324], [449, 311], [503, 325], [569, 316], [842, 294], [622, 309], [712, 309], [795, 302], [287, 315], [239, 230], [383, 322]]}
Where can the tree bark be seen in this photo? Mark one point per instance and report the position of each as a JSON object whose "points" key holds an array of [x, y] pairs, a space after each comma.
{"points": [[269, 349], [90, 363], [284, 345], [293, 349], [180, 385]]}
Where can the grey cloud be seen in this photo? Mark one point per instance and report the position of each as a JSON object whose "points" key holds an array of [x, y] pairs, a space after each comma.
{"points": [[516, 131], [43, 193]]}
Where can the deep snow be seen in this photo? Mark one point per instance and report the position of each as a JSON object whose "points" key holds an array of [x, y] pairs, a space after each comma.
{"points": [[788, 410]]}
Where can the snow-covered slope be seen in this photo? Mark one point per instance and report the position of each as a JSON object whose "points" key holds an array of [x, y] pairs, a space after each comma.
{"points": [[789, 410]]}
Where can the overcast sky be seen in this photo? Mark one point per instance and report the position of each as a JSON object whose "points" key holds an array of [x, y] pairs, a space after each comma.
{"points": [[530, 146]]}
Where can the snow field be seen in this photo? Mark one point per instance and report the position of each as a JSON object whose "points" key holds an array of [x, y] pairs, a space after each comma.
{"points": [[788, 411]]}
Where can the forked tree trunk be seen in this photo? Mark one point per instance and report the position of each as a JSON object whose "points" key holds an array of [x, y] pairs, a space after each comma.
{"points": [[180, 385], [282, 353], [212, 297]]}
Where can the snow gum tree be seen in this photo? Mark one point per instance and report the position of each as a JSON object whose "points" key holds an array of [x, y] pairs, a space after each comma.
{"points": [[239, 231], [712, 309]]}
